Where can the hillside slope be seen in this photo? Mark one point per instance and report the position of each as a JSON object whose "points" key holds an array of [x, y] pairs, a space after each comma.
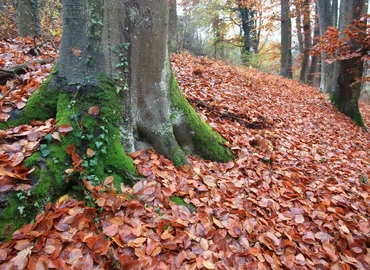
{"points": [[296, 196]]}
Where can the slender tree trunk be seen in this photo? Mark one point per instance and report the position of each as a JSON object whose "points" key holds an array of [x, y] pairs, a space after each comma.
{"points": [[298, 16], [113, 57], [348, 85], [307, 41], [173, 30], [327, 70], [312, 78], [335, 13], [286, 42], [28, 18], [247, 19]]}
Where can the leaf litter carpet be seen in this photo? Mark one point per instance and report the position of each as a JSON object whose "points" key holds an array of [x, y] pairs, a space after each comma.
{"points": [[295, 197]]}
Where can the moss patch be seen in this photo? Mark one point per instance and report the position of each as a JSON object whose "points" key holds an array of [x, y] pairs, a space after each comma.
{"points": [[99, 133], [26, 205], [180, 201], [41, 105], [207, 142], [340, 104]]}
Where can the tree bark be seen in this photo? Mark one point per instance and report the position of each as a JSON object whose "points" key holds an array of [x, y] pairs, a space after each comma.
{"points": [[312, 79], [28, 18], [286, 42], [247, 15], [307, 41], [327, 81], [298, 15], [173, 29], [113, 55], [348, 84]]}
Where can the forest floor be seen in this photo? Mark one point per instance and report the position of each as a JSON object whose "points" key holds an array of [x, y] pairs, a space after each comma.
{"points": [[295, 197]]}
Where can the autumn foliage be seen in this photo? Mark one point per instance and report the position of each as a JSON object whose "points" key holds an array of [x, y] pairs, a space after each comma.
{"points": [[295, 197], [337, 43]]}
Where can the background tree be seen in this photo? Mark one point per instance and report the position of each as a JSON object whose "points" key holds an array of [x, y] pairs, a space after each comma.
{"points": [[307, 41], [312, 78], [325, 11], [298, 23], [114, 89], [286, 40], [248, 22], [173, 29], [28, 17], [8, 19], [350, 67]]}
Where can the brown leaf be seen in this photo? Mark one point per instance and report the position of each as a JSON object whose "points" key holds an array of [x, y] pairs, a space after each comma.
{"points": [[76, 51], [330, 250], [209, 180], [136, 242], [20, 261], [94, 111], [64, 129], [208, 264], [90, 152], [56, 136]]}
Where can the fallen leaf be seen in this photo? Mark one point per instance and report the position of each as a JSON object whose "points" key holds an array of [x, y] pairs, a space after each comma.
{"points": [[94, 111], [76, 51]]}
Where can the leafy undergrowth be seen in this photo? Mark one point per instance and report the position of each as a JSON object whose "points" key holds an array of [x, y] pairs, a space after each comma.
{"points": [[296, 196]]}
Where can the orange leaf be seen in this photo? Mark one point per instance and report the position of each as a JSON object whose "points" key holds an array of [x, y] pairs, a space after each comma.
{"points": [[94, 111], [208, 264], [108, 180], [330, 250], [76, 51], [137, 242], [90, 152]]}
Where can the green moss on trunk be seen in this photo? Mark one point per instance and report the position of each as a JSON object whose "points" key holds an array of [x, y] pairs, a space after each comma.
{"points": [[100, 133], [206, 142], [345, 106]]}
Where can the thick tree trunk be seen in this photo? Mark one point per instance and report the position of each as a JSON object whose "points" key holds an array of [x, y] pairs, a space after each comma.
{"points": [[286, 42], [173, 29], [113, 57], [28, 18], [348, 85], [327, 81], [307, 41]]}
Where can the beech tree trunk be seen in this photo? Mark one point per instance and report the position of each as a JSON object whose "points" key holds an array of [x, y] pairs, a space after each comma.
{"points": [[307, 41], [173, 29], [298, 23], [327, 81], [286, 41], [312, 79], [348, 84], [247, 16], [114, 57], [28, 17]]}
